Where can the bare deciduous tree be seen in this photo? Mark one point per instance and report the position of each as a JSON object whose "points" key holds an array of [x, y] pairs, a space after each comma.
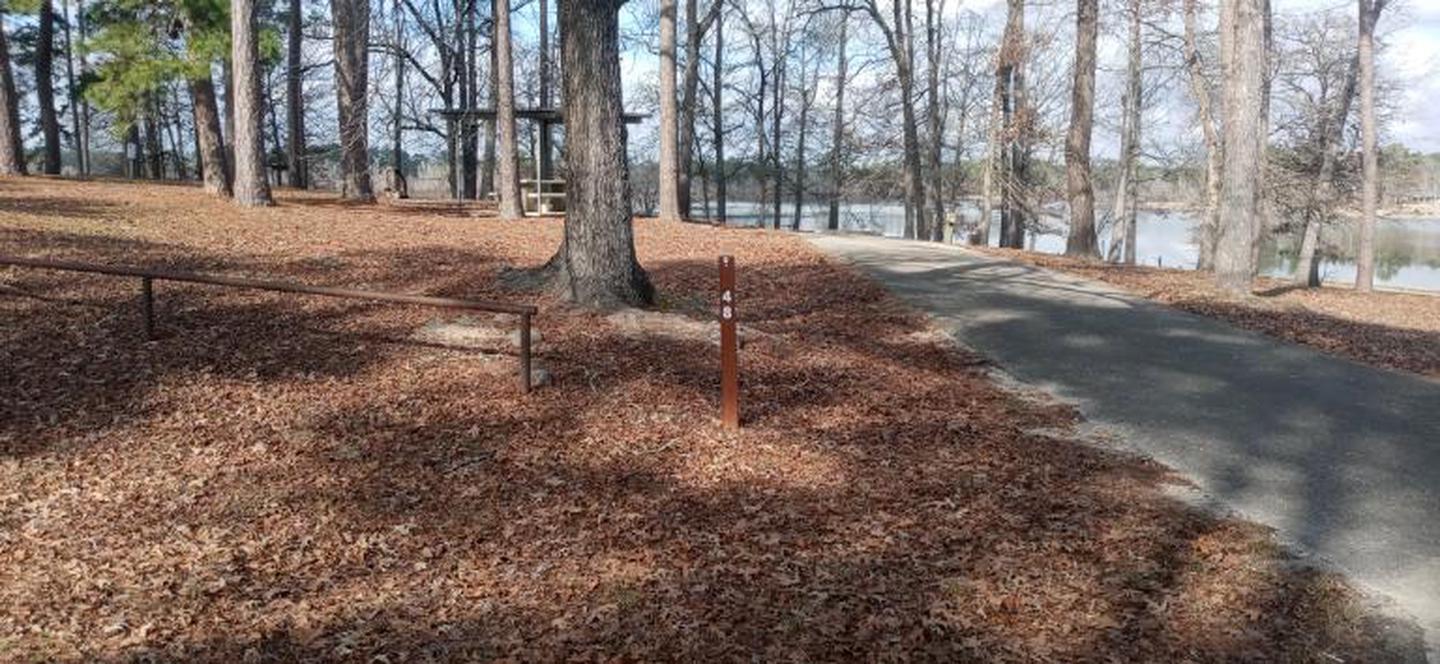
{"points": [[1127, 187], [1369, 11], [1201, 90], [1082, 241], [1242, 47]]}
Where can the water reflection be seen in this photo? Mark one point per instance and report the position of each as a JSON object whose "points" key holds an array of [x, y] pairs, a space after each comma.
{"points": [[1407, 252]]}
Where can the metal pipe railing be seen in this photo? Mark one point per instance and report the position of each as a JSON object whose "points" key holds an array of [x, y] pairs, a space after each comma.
{"points": [[148, 276]]}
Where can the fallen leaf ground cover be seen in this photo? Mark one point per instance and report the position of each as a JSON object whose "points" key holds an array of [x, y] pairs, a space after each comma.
{"points": [[284, 478], [1385, 329]]}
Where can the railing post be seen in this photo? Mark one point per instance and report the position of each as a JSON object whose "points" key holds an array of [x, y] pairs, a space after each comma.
{"points": [[525, 353], [147, 306], [729, 347]]}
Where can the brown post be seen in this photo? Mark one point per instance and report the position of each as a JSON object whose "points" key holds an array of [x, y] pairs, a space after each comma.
{"points": [[525, 353], [147, 306], [729, 353]]}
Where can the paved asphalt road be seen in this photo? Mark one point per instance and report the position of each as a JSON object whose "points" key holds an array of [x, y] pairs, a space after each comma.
{"points": [[1342, 459]]}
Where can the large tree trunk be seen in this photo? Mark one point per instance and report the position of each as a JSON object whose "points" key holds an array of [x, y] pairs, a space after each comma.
{"points": [[352, 75], [12, 148], [251, 188], [1124, 230], [837, 139], [933, 34], [596, 264], [45, 86], [1200, 89], [299, 167], [669, 142], [1082, 241], [717, 92], [1370, 155], [210, 143], [511, 207], [1243, 51]]}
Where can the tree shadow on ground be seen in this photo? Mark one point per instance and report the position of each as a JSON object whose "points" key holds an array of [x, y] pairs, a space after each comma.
{"points": [[74, 348], [392, 502]]}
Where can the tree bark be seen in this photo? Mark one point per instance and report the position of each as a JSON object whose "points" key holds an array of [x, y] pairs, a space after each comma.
{"points": [[547, 141], [299, 166], [1082, 242], [596, 265], [669, 124], [487, 165], [45, 86], [398, 183], [694, 33], [1200, 89], [227, 74], [1124, 230], [84, 134], [807, 100], [154, 148], [778, 57], [991, 176], [479, 174], [352, 75], [210, 143], [1243, 51], [717, 91], [511, 207], [1370, 156], [837, 139], [904, 53], [251, 187], [1014, 151], [933, 35], [71, 89], [12, 148]]}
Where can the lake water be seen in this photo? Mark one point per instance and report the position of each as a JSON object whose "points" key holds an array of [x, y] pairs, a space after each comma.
{"points": [[1407, 252]]}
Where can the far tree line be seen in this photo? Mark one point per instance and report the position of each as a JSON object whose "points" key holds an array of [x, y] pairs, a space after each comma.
{"points": [[939, 102], [966, 111]]}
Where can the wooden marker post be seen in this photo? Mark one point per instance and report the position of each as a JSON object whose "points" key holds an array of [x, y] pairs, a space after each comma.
{"points": [[729, 347]]}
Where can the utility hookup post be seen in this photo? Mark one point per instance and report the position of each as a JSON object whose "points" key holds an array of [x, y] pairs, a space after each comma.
{"points": [[729, 347]]}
